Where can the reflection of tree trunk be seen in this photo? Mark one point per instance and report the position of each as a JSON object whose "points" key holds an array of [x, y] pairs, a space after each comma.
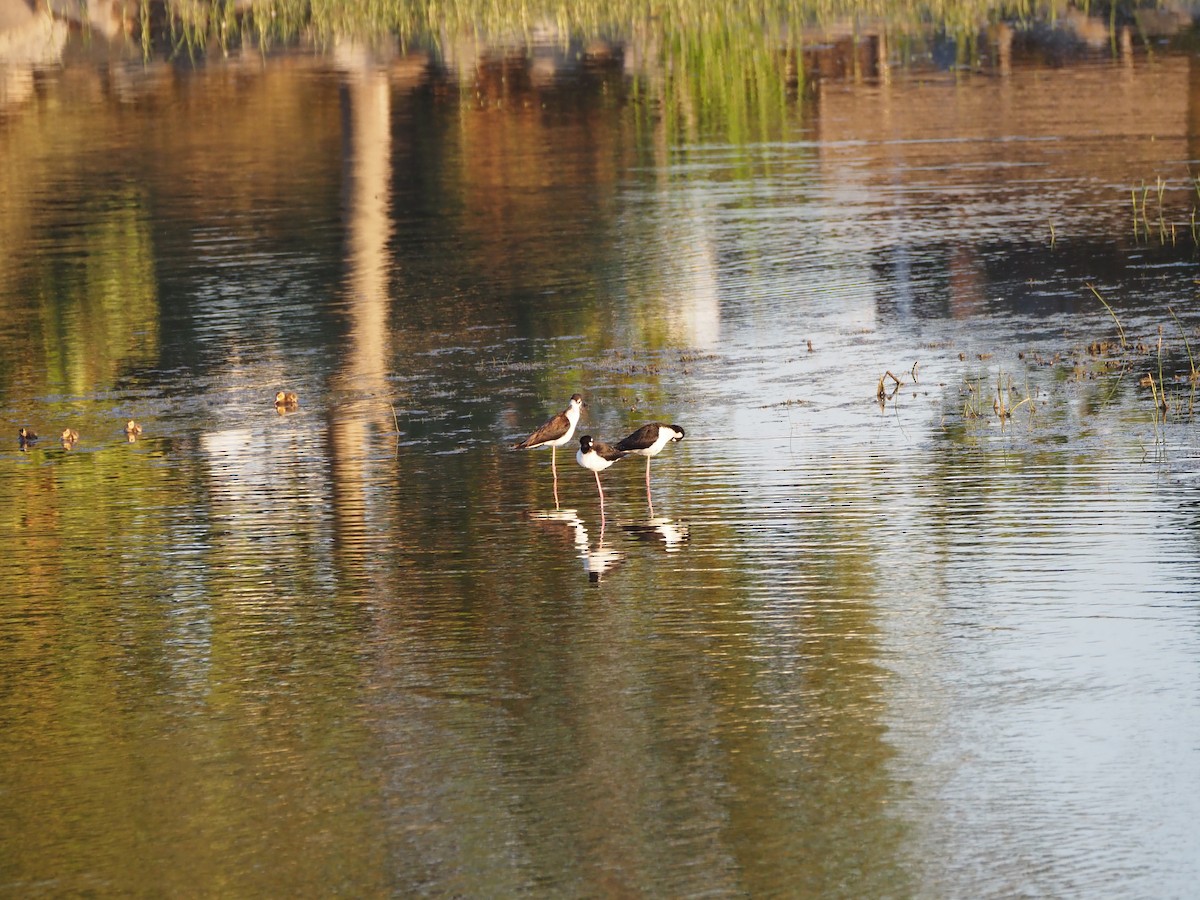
{"points": [[364, 360], [27, 39], [1193, 106], [368, 226], [1003, 35]]}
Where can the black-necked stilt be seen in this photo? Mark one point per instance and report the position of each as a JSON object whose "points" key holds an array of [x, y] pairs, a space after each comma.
{"points": [[597, 456], [553, 433], [648, 441]]}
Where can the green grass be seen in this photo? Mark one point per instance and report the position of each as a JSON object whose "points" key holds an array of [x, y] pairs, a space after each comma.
{"points": [[199, 23], [1120, 330]]}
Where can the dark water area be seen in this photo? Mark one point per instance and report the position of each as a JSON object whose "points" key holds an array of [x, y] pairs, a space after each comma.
{"points": [[914, 612]]}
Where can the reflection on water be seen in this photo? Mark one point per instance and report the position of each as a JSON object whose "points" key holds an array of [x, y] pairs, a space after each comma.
{"points": [[598, 558], [362, 409], [672, 535], [867, 646]]}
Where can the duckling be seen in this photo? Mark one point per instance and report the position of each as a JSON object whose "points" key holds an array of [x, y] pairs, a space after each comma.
{"points": [[26, 436], [69, 437], [286, 400], [132, 430]]}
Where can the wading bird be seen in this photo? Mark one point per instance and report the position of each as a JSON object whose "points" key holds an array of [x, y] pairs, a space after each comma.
{"points": [[553, 433], [649, 441], [597, 456]]}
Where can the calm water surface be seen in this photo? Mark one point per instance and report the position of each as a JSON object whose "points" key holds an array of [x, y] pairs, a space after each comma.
{"points": [[859, 648]]}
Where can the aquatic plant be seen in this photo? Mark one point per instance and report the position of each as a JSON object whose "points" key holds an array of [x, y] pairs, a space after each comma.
{"points": [[289, 19], [1193, 375], [1007, 401], [882, 394], [1120, 330], [972, 407], [1166, 222]]}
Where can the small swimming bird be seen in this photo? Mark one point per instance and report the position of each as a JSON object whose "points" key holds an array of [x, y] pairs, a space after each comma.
{"points": [[286, 400], [649, 441], [69, 437], [132, 430], [553, 433], [26, 436], [597, 456]]}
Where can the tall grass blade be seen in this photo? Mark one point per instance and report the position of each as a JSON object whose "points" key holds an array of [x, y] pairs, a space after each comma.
{"points": [[1120, 330]]}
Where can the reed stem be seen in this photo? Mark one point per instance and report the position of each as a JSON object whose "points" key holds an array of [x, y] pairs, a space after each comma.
{"points": [[1120, 330]]}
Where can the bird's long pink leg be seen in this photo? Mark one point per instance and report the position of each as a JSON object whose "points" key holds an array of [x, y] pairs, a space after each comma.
{"points": [[601, 490], [554, 469], [649, 499]]}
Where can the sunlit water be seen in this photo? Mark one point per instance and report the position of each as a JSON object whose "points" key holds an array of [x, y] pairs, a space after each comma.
{"points": [[859, 647]]}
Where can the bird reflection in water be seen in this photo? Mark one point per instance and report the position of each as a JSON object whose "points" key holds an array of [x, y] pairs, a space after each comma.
{"points": [[602, 560], [672, 534], [596, 562], [568, 517]]}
